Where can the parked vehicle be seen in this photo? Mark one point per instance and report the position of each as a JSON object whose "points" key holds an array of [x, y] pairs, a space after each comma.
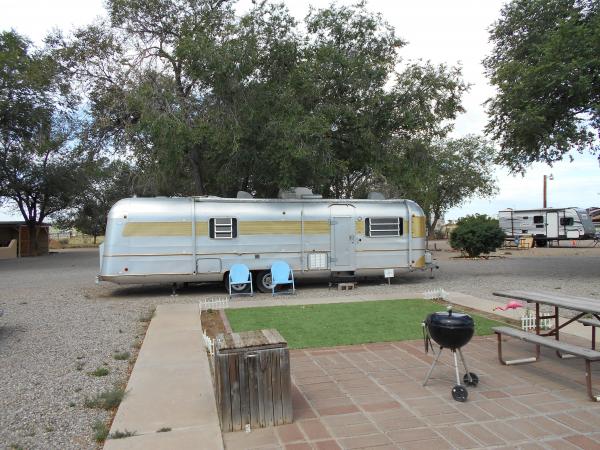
{"points": [[547, 224], [198, 239]]}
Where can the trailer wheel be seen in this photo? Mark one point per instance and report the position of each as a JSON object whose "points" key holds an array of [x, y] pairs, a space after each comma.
{"points": [[235, 288], [263, 281]]}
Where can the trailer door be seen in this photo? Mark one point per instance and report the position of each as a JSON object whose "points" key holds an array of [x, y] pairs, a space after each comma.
{"points": [[552, 225], [343, 238]]}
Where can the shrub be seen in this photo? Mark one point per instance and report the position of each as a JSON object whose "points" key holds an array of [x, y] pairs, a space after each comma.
{"points": [[100, 431], [106, 400], [100, 372], [122, 356], [477, 234]]}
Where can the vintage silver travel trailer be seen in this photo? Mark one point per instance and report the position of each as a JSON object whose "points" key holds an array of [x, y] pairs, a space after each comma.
{"points": [[547, 224], [197, 239]]}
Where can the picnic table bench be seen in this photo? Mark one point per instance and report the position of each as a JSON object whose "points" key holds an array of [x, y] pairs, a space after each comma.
{"points": [[580, 304]]}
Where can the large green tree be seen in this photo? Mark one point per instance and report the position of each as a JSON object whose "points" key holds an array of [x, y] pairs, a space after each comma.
{"points": [[39, 167], [106, 183], [207, 102], [545, 66], [442, 174]]}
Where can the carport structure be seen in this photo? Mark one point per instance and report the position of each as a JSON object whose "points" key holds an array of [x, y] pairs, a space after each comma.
{"points": [[20, 233]]}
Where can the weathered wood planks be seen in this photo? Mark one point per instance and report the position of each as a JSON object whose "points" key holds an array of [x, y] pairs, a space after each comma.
{"points": [[252, 378]]}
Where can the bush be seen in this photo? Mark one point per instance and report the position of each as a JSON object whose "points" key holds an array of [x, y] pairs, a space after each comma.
{"points": [[477, 234]]}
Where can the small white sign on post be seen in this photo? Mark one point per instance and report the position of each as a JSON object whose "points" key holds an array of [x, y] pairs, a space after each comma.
{"points": [[388, 273]]}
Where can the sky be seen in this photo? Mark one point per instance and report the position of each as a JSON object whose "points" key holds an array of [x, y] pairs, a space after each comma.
{"points": [[450, 32]]}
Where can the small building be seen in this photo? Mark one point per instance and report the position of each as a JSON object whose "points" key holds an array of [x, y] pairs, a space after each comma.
{"points": [[15, 240]]}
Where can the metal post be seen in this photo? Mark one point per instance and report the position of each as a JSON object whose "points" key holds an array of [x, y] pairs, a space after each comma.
{"points": [[544, 191], [462, 357], [456, 367], [432, 366]]}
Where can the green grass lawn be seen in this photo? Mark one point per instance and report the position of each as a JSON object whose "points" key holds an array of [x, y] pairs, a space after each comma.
{"points": [[326, 325]]}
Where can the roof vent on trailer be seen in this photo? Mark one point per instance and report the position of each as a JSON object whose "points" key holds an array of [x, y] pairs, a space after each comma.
{"points": [[298, 193], [243, 194], [376, 196]]}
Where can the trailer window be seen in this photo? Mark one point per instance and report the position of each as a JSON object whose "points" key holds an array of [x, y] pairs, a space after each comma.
{"points": [[538, 219], [223, 228], [566, 221], [383, 226]]}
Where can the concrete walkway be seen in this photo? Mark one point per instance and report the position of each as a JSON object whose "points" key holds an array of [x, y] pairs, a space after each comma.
{"points": [[170, 388]]}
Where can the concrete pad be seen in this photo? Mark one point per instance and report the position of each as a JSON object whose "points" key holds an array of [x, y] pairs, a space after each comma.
{"points": [[170, 387], [180, 439]]}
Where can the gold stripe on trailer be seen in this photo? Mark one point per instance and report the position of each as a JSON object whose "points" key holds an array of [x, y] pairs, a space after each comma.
{"points": [[282, 227], [418, 226], [420, 263], [173, 229], [360, 227]]}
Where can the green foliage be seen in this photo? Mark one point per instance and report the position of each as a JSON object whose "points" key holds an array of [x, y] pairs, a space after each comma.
{"points": [[442, 174], [106, 183], [100, 372], [100, 431], [205, 102], [476, 235], [122, 356], [310, 326], [545, 65], [40, 169], [106, 400]]}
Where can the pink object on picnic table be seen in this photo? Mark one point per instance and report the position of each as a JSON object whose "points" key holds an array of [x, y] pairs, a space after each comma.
{"points": [[510, 305]]}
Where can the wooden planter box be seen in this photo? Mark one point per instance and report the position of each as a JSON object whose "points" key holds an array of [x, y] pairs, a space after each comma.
{"points": [[252, 378]]}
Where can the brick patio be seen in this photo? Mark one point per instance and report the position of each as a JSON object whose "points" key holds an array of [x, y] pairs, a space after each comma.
{"points": [[370, 396]]}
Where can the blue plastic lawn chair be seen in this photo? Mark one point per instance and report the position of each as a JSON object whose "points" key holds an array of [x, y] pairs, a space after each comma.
{"points": [[282, 274], [240, 276]]}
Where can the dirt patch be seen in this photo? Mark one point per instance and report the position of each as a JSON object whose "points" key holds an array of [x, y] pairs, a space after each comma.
{"points": [[212, 324]]}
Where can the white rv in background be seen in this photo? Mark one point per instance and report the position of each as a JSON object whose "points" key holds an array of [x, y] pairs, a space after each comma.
{"points": [[547, 224]]}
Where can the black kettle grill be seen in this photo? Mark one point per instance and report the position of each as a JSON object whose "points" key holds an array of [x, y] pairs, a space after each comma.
{"points": [[453, 331]]}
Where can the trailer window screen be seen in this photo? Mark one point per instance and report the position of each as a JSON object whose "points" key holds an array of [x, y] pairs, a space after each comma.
{"points": [[223, 228], [566, 221], [383, 226], [538, 219]]}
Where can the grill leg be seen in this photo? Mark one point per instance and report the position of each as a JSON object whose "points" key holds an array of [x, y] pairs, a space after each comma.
{"points": [[432, 366], [456, 367], [462, 358]]}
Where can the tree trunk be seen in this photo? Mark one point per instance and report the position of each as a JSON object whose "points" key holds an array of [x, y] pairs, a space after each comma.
{"points": [[195, 160], [32, 230], [432, 225]]}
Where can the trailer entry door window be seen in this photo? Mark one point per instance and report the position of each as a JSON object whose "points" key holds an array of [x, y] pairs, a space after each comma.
{"points": [[223, 228], [566, 221], [383, 226]]}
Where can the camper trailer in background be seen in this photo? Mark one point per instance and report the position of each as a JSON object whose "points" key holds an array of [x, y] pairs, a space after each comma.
{"points": [[547, 224], [197, 239]]}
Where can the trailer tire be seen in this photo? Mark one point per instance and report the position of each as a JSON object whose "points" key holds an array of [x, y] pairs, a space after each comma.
{"points": [[263, 281], [236, 288]]}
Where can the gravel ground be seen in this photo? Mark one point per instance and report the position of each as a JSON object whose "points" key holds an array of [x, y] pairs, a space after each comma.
{"points": [[58, 326]]}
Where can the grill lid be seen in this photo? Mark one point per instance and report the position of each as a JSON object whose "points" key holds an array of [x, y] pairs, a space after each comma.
{"points": [[449, 319]]}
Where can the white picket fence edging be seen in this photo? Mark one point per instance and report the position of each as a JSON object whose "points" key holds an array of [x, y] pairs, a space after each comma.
{"points": [[435, 294], [528, 323], [214, 303]]}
